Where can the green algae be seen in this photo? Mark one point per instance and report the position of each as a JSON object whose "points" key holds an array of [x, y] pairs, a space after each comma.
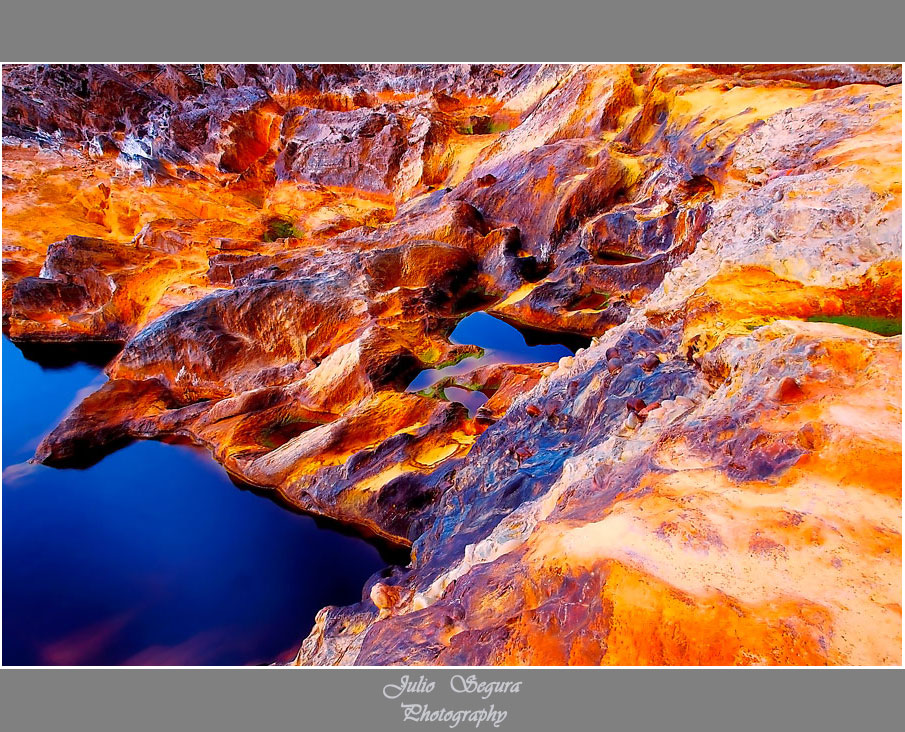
{"points": [[878, 325]]}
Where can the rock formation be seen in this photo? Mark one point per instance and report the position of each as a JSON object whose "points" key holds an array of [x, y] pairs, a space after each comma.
{"points": [[280, 250]]}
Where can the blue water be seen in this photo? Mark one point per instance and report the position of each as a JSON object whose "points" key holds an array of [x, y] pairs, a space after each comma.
{"points": [[151, 556], [501, 343]]}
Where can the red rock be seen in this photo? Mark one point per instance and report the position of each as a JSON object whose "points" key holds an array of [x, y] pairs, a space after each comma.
{"points": [[635, 404], [788, 390], [648, 409]]}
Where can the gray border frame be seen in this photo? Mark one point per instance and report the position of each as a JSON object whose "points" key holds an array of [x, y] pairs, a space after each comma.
{"points": [[645, 700], [349, 700], [43, 31]]}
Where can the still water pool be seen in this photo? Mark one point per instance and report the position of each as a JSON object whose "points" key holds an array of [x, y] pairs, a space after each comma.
{"points": [[501, 343], [151, 556]]}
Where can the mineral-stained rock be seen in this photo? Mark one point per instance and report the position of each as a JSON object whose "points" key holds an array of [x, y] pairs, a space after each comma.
{"points": [[501, 383], [373, 150], [281, 250]]}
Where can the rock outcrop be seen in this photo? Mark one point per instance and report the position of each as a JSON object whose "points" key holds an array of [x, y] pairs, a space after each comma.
{"points": [[280, 250]]}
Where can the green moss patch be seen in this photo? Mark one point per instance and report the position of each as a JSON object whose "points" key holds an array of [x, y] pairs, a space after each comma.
{"points": [[483, 127], [279, 228], [880, 326], [478, 353]]}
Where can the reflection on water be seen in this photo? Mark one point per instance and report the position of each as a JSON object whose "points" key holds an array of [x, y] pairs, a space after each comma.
{"points": [[36, 398], [501, 343], [151, 556], [471, 399]]}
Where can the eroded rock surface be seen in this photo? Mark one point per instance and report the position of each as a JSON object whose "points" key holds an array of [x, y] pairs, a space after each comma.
{"points": [[280, 250]]}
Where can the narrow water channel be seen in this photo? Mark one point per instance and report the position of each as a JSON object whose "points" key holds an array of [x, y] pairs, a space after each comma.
{"points": [[152, 556], [501, 342]]}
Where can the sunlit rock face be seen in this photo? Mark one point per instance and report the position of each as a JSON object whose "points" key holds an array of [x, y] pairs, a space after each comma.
{"points": [[280, 250]]}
